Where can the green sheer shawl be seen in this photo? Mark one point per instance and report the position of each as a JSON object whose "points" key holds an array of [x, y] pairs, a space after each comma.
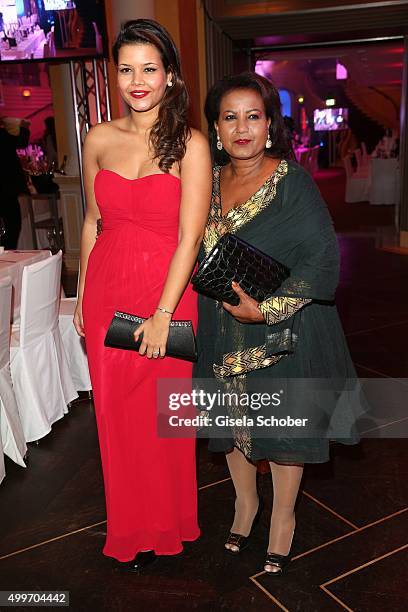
{"points": [[287, 219]]}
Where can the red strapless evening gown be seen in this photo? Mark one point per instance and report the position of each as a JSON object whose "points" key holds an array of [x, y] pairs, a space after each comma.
{"points": [[150, 482]]}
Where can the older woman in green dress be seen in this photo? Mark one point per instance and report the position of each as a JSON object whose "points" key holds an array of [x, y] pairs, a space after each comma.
{"points": [[273, 204]]}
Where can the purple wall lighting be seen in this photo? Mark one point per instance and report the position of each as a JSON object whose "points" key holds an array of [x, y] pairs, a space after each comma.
{"points": [[264, 68], [341, 72]]}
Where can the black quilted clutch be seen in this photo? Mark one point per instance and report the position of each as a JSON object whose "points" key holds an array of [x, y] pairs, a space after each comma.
{"points": [[181, 342], [257, 273]]}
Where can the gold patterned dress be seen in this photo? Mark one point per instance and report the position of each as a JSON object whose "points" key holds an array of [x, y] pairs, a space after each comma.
{"points": [[302, 337]]}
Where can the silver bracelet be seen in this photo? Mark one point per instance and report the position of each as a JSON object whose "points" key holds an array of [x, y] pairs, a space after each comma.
{"points": [[164, 310]]}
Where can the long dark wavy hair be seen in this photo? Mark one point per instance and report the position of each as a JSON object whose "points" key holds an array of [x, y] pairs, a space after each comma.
{"points": [[169, 134], [281, 143]]}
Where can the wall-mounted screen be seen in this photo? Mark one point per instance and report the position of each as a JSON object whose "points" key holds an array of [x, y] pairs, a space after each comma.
{"points": [[328, 119], [52, 30]]}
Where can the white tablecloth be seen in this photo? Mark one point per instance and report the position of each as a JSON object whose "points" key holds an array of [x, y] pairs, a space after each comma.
{"points": [[12, 264], [384, 187]]}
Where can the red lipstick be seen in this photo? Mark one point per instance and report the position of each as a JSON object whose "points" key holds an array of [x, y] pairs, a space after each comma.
{"points": [[242, 141], [139, 93]]}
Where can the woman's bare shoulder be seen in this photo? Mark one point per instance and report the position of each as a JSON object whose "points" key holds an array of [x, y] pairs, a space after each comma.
{"points": [[101, 136], [106, 129], [197, 144], [197, 137]]}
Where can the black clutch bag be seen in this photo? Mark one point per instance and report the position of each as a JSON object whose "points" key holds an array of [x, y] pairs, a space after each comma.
{"points": [[257, 273], [181, 342]]}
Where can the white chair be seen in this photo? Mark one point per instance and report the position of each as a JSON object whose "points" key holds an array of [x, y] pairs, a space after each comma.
{"points": [[357, 187], [11, 431], [363, 163], [359, 156], [2, 466], [384, 188], [74, 346], [39, 366], [366, 161]]}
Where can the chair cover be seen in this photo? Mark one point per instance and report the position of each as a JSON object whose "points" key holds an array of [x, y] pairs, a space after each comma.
{"points": [[357, 187], [74, 346], [366, 158], [11, 431], [359, 156], [12, 265], [39, 366], [385, 181], [363, 164], [2, 468]]}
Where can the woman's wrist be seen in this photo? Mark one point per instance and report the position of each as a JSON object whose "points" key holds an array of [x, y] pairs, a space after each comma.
{"points": [[165, 310], [161, 316]]}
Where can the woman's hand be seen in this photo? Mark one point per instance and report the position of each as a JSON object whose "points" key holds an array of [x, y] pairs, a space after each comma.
{"points": [[155, 333], [78, 320], [247, 310]]}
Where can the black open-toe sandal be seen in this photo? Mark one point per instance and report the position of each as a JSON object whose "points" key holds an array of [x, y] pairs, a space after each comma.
{"points": [[278, 561], [240, 541]]}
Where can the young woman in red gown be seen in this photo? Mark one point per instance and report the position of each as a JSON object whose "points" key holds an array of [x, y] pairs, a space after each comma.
{"points": [[148, 177]]}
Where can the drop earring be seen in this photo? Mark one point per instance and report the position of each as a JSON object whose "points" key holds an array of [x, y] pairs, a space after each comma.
{"points": [[219, 143], [268, 143]]}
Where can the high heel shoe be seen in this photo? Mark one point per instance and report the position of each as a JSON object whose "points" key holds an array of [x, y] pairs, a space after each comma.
{"points": [[240, 541], [139, 563], [278, 561]]}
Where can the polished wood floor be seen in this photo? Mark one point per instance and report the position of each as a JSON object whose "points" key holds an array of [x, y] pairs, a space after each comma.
{"points": [[350, 547]]}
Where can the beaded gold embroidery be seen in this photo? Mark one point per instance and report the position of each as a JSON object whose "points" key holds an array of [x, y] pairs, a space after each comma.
{"points": [[277, 309], [296, 285], [285, 338], [236, 387], [240, 362], [235, 218], [254, 358], [212, 229]]}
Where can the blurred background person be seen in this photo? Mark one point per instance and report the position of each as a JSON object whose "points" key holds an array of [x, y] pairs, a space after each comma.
{"points": [[14, 134], [50, 142]]}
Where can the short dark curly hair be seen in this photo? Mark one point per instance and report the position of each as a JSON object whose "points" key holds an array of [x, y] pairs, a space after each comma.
{"points": [[281, 143]]}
